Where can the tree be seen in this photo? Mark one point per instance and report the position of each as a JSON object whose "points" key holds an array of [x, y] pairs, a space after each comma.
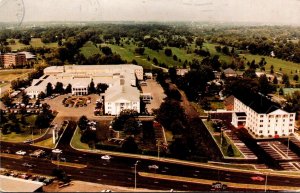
{"points": [[275, 80], [168, 52], [179, 148], [82, 123], [129, 145], [155, 61], [296, 77], [225, 50], [68, 89], [42, 95], [106, 50], [139, 50], [7, 100], [119, 121], [101, 87], [92, 88], [281, 92], [199, 42], [59, 88], [230, 152], [49, 89], [172, 74], [131, 126], [264, 86], [175, 57], [285, 80], [25, 98]]}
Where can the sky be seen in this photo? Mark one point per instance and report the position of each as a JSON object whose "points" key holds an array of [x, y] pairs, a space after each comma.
{"points": [[261, 11]]}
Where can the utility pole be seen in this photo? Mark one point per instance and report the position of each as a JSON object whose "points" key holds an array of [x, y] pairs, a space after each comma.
{"points": [[136, 163]]}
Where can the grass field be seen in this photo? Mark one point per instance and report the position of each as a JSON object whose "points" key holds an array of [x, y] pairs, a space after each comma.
{"points": [[76, 143], [48, 143], [286, 66], [89, 49], [8, 75], [35, 42]]}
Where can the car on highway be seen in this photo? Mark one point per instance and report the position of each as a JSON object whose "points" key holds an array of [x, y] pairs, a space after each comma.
{"points": [[153, 167], [106, 157], [218, 186], [20, 152], [257, 178], [37, 153], [27, 165], [28, 141]]}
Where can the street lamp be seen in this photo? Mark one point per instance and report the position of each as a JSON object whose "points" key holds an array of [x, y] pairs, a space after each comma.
{"points": [[158, 149], [288, 146], [266, 181], [136, 163]]}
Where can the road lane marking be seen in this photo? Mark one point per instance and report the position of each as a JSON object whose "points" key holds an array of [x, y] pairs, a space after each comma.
{"points": [[68, 164]]}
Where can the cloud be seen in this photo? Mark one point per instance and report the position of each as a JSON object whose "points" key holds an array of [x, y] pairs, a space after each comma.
{"points": [[265, 11]]}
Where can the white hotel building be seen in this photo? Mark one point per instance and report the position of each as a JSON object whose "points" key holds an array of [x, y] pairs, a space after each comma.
{"points": [[121, 79], [262, 117]]}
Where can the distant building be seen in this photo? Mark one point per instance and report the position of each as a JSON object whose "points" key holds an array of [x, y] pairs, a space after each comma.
{"points": [[230, 73], [13, 60], [262, 117]]}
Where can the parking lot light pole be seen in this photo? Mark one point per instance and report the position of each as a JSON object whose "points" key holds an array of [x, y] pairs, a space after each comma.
{"points": [[136, 163], [266, 182], [288, 146]]}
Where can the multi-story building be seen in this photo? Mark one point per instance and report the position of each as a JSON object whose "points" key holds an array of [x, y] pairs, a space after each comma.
{"points": [[13, 60], [262, 117]]}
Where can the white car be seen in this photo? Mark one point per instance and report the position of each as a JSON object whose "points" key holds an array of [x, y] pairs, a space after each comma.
{"points": [[21, 152], [153, 167], [106, 157]]}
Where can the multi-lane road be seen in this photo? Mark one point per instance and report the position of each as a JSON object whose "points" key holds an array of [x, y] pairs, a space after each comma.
{"points": [[120, 170]]}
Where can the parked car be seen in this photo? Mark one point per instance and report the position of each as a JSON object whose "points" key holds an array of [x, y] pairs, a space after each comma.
{"points": [[20, 152], [106, 157]]}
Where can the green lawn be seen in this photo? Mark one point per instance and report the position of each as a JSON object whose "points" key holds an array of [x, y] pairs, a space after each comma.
{"points": [[89, 49], [48, 143], [212, 51], [76, 143], [217, 138], [11, 74], [286, 66], [35, 42]]}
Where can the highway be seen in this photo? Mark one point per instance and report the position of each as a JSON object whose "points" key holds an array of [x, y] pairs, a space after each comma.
{"points": [[120, 170]]}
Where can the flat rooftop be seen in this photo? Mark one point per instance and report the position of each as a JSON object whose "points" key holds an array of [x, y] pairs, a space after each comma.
{"points": [[11, 184]]}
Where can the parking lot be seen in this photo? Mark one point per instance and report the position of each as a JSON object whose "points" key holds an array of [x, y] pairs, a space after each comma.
{"points": [[157, 94], [278, 151], [291, 166], [241, 146]]}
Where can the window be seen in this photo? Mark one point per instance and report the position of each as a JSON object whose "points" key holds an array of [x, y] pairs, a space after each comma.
{"points": [[268, 125], [261, 115], [260, 125], [268, 131], [291, 124], [292, 115], [261, 121], [291, 119], [260, 131], [290, 130], [283, 120]]}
